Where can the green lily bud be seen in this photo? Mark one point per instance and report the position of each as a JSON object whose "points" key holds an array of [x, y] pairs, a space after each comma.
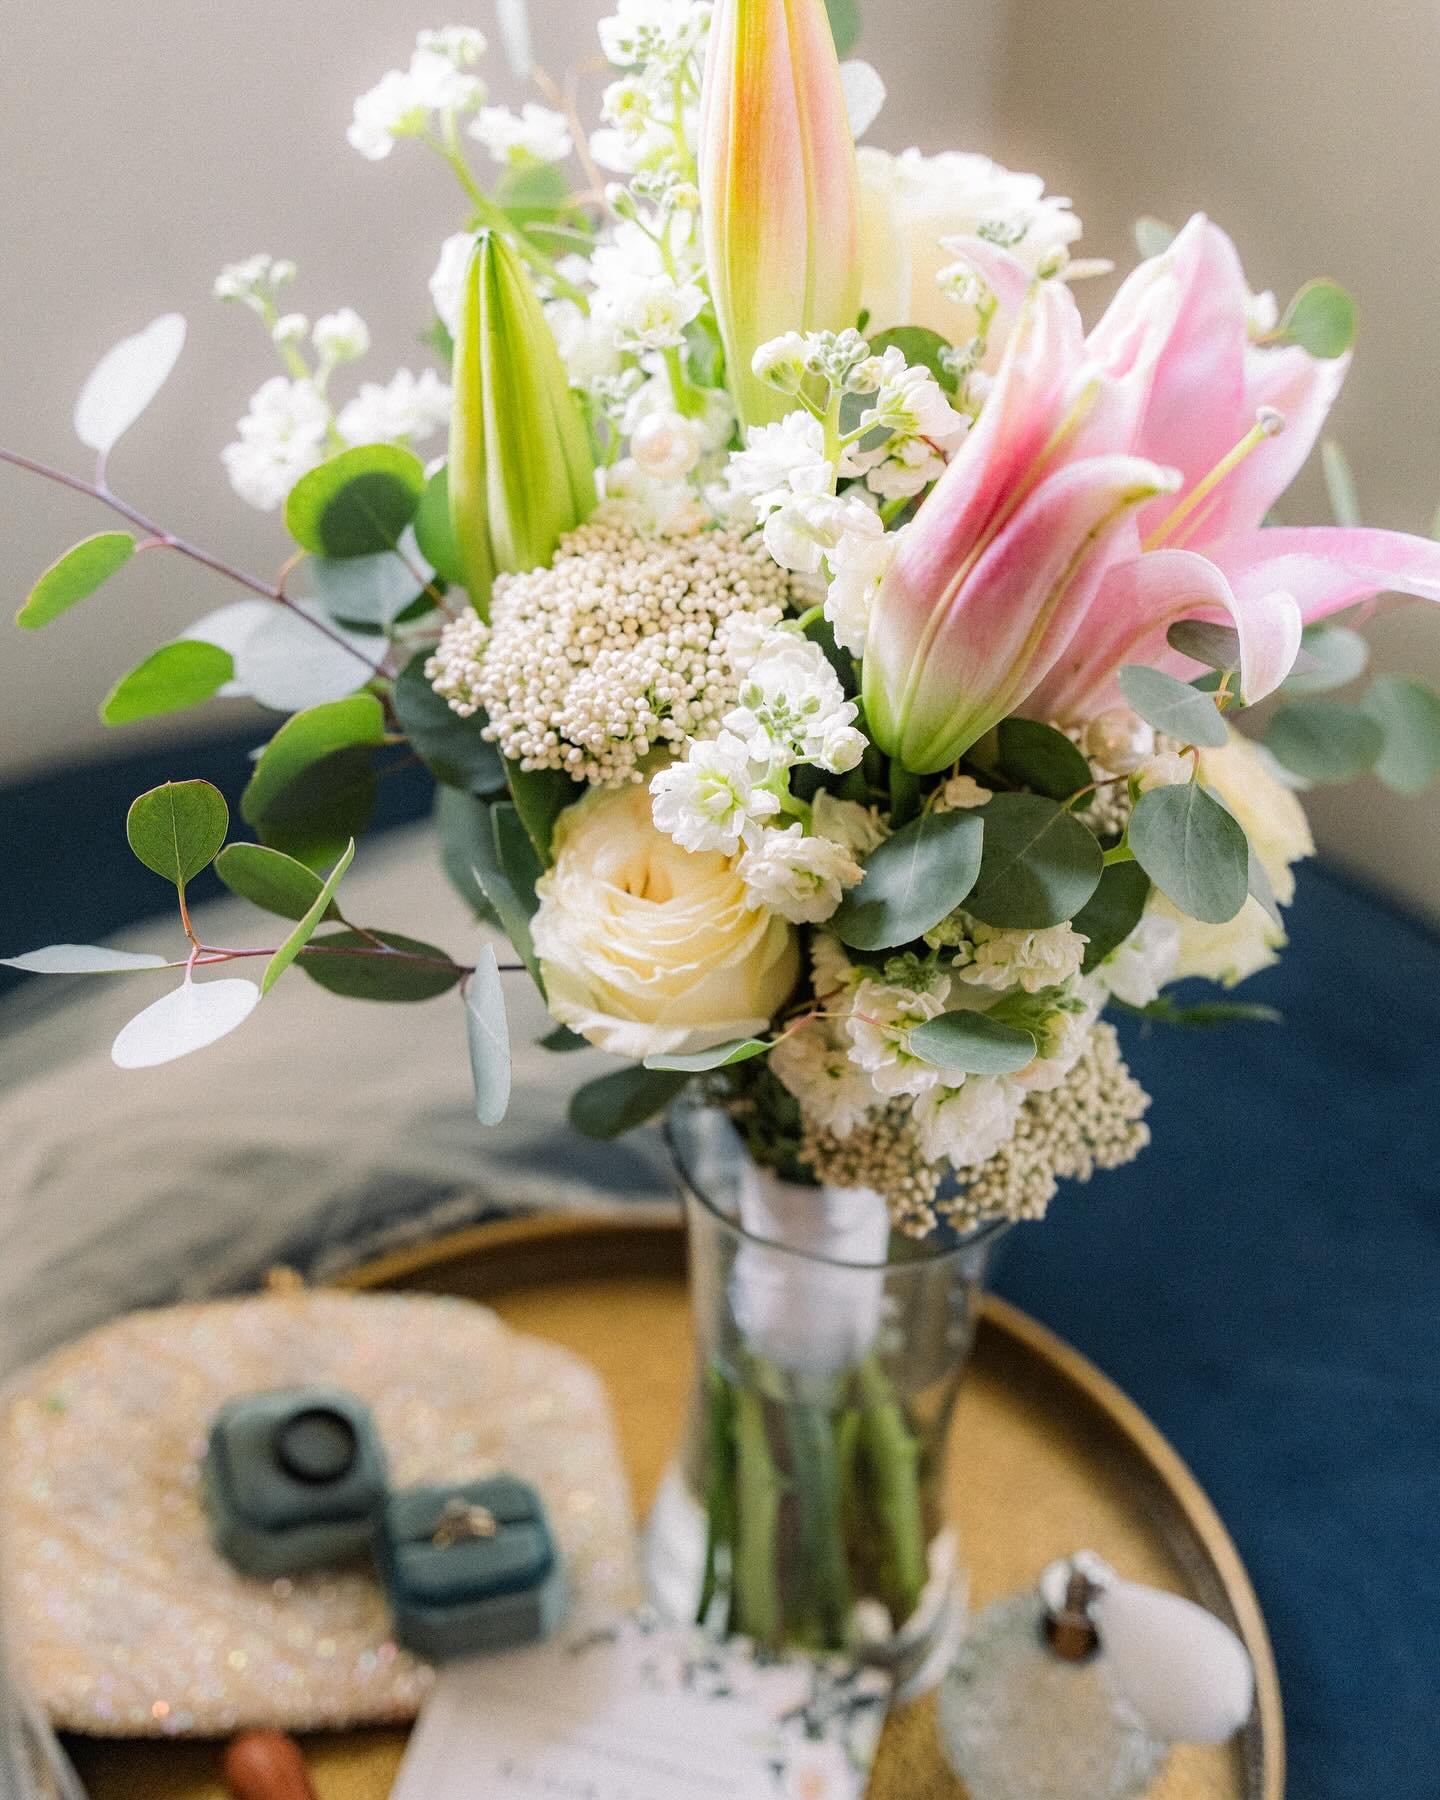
{"points": [[521, 469]]}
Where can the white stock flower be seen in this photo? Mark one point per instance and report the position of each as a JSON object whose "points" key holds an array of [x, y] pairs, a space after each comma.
{"points": [[960, 793], [281, 438], [1145, 963], [783, 362], [403, 100], [793, 709], [857, 561], [860, 829], [966, 1125], [665, 508], [587, 345], [403, 410], [1031, 960], [710, 801], [536, 134], [802, 878], [1167, 768], [925, 430], [648, 312], [448, 281], [780, 461], [882, 1016], [341, 336], [910, 203], [814, 1064]]}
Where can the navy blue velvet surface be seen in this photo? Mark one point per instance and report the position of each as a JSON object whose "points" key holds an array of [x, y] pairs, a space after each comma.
{"points": [[1265, 1281]]}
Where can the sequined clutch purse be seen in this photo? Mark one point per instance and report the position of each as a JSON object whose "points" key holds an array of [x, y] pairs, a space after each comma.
{"points": [[127, 1621]]}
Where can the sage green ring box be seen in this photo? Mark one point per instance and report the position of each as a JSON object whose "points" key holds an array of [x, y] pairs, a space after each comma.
{"points": [[294, 1480], [470, 1568]]}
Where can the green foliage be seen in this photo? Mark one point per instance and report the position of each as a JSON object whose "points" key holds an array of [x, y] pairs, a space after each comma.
{"points": [[307, 926], [1194, 851], [84, 959], [356, 504], [974, 1042], [1040, 864], [178, 829], [270, 880], [1112, 911], [507, 869], [488, 1033], [540, 796], [1173, 707], [1408, 713], [452, 748], [1340, 483], [1325, 740], [923, 349], [617, 1103], [314, 785], [171, 678], [562, 1040], [1334, 655], [1208, 1015], [722, 1056], [1038, 756], [364, 590], [1217, 646], [433, 531], [75, 576], [1321, 319], [462, 824], [845, 24], [912, 881], [417, 972], [1153, 237]]}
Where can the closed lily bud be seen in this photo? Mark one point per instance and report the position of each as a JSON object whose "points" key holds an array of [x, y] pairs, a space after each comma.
{"points": [[780, 196], [521, 469]]}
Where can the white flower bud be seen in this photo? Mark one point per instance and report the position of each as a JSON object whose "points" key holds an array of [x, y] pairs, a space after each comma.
{"points": [[666, 445]]}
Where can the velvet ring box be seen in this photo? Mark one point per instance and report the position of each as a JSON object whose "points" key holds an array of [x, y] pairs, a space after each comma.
{"points": [[294, 1480], [470, 1568]]}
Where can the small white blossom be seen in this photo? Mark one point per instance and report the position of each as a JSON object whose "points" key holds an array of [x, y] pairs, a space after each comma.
{"points": [[860, 829], [782, 362], [665, 508], [814, 1064], [448, 281], [793, 709], [403, 101], [460, 44], [882, 1016], [960, 793], [832, 970], [857, 560], [405, 409], [644, 31], [966, 1125], [281, 438], [1031, 960], [252, 277], [780, 461], [536, 134], [341, 336], [1145, 962], [1167, 768], [925, 429], [711, 800], [648, 312], [586, 344], [802, 878], [290, 328], [667, 445], [1061, 1038]]}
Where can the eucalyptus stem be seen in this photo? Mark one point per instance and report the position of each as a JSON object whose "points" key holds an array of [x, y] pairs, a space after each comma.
{"points": [[892, 1458], [759, 1489], [719, 1486], [816, 1470]]}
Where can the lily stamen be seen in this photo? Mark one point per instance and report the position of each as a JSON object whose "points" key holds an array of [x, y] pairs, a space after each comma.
{"points": [[1269, 422]]}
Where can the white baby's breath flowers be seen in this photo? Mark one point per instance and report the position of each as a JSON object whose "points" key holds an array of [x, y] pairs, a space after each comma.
{"points": [[802, 878], [341, 336], [1030, 960], [535, 134], [405, 410], [404, 101], [290, 328], [712, 800], [254, 279], [882, 1015], [448, 281], [462, 45], [792, 708], [813, 1062], [654, 31], [281, 438], [966, 1125], [1145, 963]]}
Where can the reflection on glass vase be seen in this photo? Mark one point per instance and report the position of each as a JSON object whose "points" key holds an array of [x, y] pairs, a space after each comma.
{"points": [[806, 1506]]}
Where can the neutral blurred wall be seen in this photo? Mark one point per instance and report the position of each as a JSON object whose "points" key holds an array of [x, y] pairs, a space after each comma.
{"points": [[143, 146]]}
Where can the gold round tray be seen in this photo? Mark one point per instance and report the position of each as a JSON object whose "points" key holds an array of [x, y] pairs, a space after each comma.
{"points": [[1048, 1456]]}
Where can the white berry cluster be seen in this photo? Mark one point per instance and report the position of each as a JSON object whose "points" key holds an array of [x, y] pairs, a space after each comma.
{"points": [[621, 648]]}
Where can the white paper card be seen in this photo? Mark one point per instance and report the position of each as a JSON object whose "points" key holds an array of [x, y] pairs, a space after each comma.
{"points": [[635, 1709]]}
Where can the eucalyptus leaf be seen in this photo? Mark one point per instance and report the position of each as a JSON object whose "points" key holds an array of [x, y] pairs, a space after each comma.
{"points": [[308, 925], [295, 659], [1321, 319], [1153, 237], [175, 676], [357, 503], [974, 1042], [366, 590], [1217, 646], [1334, 656], [721, 1056], [1173, 707], [1208, 1015], [922, 348], [617, 1103], [562, 1041], [1112, 912], [196, 1015], [912, 881], [1340, 484], [845, 24], [488, 1031], [1038, 756], [507, 870], [177, 829], [540, 796], [333, 744], [125, 381], [1262, 888], [1325, 740], [433, 531], [453, 749], [84, 959], [328, 802], [1408, 714], [1040, 864], [270, 880], [74, 576], [462, 824], [417, 971], [1194, 851]]}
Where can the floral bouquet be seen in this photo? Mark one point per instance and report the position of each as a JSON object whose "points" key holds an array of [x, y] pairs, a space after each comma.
{"points": [[827, 653]]}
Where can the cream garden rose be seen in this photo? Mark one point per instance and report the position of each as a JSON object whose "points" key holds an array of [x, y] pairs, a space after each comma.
{"points": [[650, 949], [1275, 823]]}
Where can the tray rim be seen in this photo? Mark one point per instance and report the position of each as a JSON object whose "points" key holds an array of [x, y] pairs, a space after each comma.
{"points": [[528, 1242]]}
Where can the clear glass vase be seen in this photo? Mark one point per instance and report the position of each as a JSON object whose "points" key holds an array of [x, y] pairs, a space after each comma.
{"points": [[806, 1505]]}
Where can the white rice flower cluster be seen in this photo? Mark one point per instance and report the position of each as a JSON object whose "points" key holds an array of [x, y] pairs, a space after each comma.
{"points": [[524, 139], [619, 649], [404, 102]]}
